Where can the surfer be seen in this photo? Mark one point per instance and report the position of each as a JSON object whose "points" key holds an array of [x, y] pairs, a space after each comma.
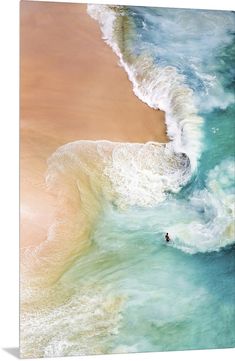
{"points": [[167, 238]]}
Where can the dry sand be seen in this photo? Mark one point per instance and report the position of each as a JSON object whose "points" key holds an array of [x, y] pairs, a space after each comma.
{"points": [[72, 88]]}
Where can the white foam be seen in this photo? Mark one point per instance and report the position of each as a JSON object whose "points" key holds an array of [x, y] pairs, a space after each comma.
{"points": [[79, 326], [142, 174], [126, 174]]}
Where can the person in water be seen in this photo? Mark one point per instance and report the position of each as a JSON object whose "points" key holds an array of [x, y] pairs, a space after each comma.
{"points": [[167, 238]]}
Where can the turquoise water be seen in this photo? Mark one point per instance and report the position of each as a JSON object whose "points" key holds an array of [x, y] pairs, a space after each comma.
{"points": [[179, 295]]}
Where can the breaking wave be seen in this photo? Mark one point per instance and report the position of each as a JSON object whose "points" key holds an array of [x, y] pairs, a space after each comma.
{"points": [[160, 87]]}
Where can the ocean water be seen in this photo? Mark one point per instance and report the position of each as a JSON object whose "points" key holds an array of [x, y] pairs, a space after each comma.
{"points": [[128, 290]]}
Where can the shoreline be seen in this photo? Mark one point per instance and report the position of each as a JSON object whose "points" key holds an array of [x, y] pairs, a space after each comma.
{"points": [[67, 71]]}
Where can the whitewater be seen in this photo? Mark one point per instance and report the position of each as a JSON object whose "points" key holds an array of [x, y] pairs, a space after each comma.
{"points": [[126, 290]]}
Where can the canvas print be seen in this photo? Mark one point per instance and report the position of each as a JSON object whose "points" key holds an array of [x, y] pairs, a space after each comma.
{"points": [[127, 179]]}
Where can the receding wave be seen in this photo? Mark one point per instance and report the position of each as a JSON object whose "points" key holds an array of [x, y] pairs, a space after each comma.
{"points": [[86, 176]]}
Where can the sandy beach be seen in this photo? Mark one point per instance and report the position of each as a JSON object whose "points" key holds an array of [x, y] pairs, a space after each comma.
{"points": [[72, 88]]}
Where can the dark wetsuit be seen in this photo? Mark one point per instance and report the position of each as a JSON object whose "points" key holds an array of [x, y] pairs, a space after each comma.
{"points": [[167, 238]]}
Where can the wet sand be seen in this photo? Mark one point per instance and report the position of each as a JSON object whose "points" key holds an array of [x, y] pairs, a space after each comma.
{"points": [[72, 88]]}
